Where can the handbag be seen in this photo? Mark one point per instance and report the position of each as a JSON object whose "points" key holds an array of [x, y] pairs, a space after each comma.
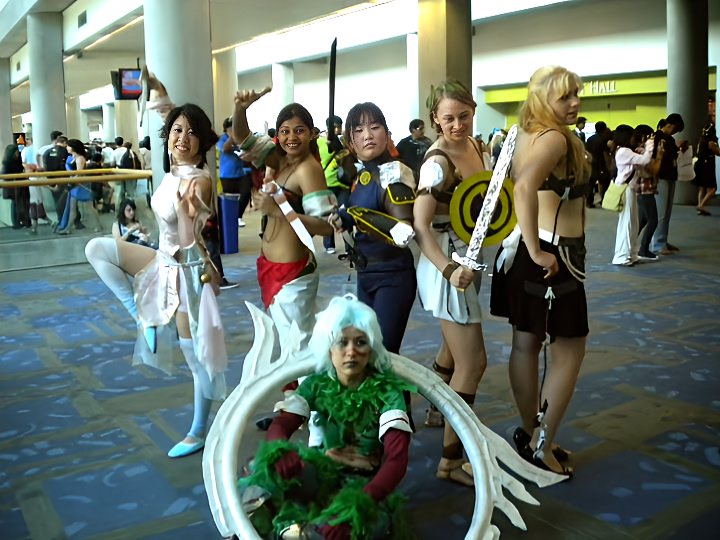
{"points": [[685, 167], [614, 198]]}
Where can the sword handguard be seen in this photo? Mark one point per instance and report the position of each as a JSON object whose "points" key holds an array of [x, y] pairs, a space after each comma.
{"points": [[468, 263]]}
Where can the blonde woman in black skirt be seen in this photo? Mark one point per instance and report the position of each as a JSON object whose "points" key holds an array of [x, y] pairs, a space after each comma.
{"points": [[540, 270]]}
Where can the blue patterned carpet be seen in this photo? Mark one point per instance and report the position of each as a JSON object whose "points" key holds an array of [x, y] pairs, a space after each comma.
{"points": [[84, 433]]}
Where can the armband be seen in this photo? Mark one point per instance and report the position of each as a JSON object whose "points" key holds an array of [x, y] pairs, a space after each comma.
{"points": [[295, 404], [431, 175], [382, 226], [256, 149], [450, 270], [319, 204]]}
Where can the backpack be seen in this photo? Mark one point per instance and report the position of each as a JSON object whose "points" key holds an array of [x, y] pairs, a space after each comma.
{"points": [[129, 160], [54, 158]]}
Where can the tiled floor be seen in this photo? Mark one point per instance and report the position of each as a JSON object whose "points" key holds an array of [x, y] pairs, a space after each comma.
{"points": [[84, 433]]}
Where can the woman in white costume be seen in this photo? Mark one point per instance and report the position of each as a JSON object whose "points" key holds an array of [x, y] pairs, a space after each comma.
{"points": [[178, 280], [447, 289], [629, 165]]}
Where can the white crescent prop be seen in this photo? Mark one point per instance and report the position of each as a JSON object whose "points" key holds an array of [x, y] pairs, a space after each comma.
{"points": [[261, 377]]}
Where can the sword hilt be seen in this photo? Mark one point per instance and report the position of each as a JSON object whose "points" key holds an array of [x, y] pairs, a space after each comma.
{"points": [[468, 263]]}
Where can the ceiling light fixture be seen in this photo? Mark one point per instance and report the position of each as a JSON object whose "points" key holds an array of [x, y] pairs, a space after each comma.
{"points": [[111, 34], [340, 13]]}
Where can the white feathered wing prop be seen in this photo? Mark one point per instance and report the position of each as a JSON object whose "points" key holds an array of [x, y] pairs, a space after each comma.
{"points": [[261, 377]]}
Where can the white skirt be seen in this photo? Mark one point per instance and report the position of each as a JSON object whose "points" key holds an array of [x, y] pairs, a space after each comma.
{"points": [[438, 295], [626, 239]]}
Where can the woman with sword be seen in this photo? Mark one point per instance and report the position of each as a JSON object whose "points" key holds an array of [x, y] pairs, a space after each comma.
{"points": [[447, 289], [540, 270]]}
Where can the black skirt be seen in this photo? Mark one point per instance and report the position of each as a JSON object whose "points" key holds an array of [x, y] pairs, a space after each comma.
{"points": [[705, 173], [520, 295]]}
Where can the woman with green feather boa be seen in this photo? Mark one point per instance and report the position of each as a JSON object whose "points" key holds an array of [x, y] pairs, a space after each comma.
{"points": [[343, 489]]}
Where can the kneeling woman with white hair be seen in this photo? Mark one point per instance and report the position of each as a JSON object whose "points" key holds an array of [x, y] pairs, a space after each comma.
{"points": [[344, 488]]}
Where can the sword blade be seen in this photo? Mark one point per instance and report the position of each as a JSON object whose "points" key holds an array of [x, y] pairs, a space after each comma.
{"points": [[331, 137], [489, 202], [333, 62]]}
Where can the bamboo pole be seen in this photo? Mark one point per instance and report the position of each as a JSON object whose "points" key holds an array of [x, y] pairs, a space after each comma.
{"points": [[71, 177]]}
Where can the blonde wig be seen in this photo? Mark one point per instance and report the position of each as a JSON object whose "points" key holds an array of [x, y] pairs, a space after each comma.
{"points": [[537, 116]]}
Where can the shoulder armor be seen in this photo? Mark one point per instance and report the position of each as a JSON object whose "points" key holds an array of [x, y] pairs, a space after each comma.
{"points": [[431, 175], [401, 194], [395, 172]]}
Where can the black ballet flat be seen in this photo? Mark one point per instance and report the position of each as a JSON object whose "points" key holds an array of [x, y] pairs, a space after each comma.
{"points": [[528, 454], [522, 439], [264, 423]]}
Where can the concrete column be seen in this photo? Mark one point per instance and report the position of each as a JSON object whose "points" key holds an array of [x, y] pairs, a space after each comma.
{"points": [[47, 88], [415, 109], [283, 82], [84, 126], [145, 125], [126, 122], [184, 65], [6, 131], [225, 86], [687, 75], [444, 44], [74, 118], [108, 122]]}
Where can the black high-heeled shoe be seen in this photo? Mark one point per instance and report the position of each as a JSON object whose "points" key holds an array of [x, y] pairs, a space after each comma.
{"points": [[528, 454], [521, 439]]}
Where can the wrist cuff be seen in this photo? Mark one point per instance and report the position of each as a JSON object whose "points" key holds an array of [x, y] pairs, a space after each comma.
{"points": [[449, 269]]}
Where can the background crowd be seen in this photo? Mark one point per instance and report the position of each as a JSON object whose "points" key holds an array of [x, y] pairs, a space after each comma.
{"points": [[645, 164]]}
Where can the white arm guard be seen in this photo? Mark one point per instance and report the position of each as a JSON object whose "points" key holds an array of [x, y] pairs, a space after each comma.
{"points": [[256, 150], [293, 404], [431, 175]]}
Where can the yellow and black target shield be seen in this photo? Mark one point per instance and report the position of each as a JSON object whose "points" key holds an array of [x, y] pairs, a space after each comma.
{"points": [[466, 202]]}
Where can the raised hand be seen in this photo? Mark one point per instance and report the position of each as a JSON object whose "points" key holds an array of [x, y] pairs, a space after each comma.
{"points": [[245, 98], [154, 83]]}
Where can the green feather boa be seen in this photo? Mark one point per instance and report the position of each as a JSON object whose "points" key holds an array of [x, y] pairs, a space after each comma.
{"points": [[342, 406]]}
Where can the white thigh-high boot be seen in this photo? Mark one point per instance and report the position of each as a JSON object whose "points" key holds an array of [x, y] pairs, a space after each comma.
{"points": [[102, 254], [201, 387]]}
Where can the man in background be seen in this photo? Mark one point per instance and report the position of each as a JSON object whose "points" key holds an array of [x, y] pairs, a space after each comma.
{"points": [[54, 159], [334, 174], [412, 149], [597, 147], [667, 179], [233, 175], [579, 126], [39, 153]]}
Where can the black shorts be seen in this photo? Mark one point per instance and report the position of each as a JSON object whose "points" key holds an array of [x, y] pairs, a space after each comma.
{"points": [[519, 295]]}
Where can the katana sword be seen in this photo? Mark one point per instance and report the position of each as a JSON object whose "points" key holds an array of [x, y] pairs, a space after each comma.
{"points": [[489, 203], [334, 144]]}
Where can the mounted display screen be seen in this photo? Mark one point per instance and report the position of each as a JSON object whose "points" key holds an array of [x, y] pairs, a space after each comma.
{"points": [[126, 83]]}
